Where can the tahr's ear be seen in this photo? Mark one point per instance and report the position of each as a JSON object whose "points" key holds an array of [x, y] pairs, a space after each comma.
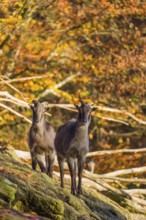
{"points": [[77, 106], [31, 106], [94, 109], [35, 102], [45, 104]]}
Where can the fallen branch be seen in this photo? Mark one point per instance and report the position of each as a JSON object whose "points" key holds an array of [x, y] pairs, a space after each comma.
{"points": [[125, 172], [136, 191], [139, 201], [106, 177], [106, 152], [128, 180], [116, 192], [98, 182]]}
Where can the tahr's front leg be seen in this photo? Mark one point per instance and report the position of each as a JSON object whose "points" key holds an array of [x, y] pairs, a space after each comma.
{"points": [[81, 162], [72, 168]]}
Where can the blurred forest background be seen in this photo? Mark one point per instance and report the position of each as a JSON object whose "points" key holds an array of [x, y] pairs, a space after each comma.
{"points": [[62, 51]]}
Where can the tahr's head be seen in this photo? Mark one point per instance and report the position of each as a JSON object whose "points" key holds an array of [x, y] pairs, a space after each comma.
{"points": [[38, 109], [84, 112]]}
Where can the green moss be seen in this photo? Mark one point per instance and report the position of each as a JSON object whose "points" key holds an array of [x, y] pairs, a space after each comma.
{"points": [[70, 213], [45, 205], [75, 207], [3, 203], [19, 206], [7, 191]]}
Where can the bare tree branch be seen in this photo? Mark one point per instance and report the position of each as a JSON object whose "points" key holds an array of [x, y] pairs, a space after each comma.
{"points": [[140, 121], [23, 79], [9, 100], [19, 101], [12, 87], [71, 107], [114, 120], [57, 86], [121, 112], [16, 101], [15, 112]]}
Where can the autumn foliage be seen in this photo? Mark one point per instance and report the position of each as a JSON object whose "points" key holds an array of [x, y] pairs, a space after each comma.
{"points": [[102, 43]]}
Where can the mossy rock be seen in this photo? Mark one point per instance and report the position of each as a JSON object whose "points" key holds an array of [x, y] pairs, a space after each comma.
{"points": [[33, 192], [7, 191], [10, 214]]}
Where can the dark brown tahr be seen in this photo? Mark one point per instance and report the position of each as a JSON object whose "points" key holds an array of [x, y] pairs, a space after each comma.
{"points": [[41, 139], [72, 143]]}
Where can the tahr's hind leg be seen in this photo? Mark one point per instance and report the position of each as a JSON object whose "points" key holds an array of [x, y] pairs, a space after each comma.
{"points": [[50, 167], [33, 160], [61, 168]]}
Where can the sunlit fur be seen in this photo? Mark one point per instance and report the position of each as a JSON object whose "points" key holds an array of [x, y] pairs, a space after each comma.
{"points": [[41, 139], [72, 143]]}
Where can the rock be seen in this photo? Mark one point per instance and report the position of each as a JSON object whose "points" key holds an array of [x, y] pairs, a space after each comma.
{"points": [[11, 214], [27, 191]]}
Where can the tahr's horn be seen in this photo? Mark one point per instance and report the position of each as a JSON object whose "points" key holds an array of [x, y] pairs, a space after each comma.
{"points": [[90, 103]]}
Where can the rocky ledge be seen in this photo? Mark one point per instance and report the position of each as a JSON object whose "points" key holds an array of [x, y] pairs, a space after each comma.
{"points": [[25, 194]]}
